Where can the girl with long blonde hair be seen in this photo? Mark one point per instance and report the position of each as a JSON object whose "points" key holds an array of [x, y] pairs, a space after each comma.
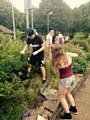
{"points": [[62, 64]]}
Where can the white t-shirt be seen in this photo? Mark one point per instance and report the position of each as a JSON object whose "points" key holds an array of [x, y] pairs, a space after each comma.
{"points": [[61, 36], [49, 38], [59, 39]]}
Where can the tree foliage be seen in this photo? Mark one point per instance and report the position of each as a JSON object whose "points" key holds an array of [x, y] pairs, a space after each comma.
{"points": [[81, 18], [60, 18], [63, 18], [6, 15]]}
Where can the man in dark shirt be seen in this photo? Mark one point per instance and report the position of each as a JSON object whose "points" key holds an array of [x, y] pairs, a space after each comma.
{"points": [[37, 56]]}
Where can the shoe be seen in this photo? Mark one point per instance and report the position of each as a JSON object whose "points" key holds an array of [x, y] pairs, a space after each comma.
{"points": [[66, 116], [44, 81], [73, 110], [45, 87]]}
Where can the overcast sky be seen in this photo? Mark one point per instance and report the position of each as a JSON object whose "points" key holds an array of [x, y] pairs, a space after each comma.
{"points": [[19, 4], [76, 3]]}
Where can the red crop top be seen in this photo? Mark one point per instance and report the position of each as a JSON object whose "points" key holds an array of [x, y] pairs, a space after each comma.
{"points": [[66, 72]]}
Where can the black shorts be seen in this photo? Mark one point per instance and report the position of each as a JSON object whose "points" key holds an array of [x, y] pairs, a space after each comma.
{"points": [[37, 60]]}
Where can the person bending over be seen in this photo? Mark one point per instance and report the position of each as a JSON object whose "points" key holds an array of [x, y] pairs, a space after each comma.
{"points": [[37, 55]]}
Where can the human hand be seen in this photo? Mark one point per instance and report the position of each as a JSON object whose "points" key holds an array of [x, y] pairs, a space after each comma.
{"points": [[22, 52], [31, 45], [35, 53]]}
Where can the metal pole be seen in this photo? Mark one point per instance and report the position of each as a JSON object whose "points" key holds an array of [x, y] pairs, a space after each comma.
{"points": [[50, 13], [32, 18], [13, 18], [48, 23], [27, 18], [28, 6]]}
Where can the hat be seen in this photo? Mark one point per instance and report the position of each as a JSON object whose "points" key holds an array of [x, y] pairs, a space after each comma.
{"points": [[30, 32]]}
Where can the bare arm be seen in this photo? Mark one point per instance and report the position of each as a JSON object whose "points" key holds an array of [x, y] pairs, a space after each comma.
{"points": [[72, 54], [24, 49], [39, 50], [42, 48], [55, 70]]}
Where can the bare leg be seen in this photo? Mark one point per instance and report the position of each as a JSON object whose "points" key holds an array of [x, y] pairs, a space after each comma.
{"points": [[29, 68], [72, 108], [28, 73], [43, 73], [27, 83], [63, 91], [43, 81], [70, 98]]}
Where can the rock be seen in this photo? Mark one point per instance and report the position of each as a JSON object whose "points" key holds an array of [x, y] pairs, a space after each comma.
{"points": [[40, 118], [50, 105], [50, 94]]}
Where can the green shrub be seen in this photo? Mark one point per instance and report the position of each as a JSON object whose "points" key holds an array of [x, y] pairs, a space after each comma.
{"points": [[88, 56], [48, 68], [11, 112], [88, 40], [80, 65], [83, 44], [2, 38], [81, 35], [11, 63], [20, 35], [74, 49]]}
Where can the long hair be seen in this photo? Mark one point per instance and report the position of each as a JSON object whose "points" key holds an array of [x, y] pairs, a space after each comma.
{"points": [[59, 56]]}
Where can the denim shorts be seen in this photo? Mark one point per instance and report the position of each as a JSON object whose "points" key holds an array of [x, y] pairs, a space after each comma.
{"points": [[67, 82]]}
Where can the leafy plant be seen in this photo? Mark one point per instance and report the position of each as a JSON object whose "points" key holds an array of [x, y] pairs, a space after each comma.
{"points": [[81, 35], [11, 112], [80, 65], [11, 63], [88, 56]]}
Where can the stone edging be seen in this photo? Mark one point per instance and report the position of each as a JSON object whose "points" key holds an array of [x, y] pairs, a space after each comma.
{"points": [[51, 107]]}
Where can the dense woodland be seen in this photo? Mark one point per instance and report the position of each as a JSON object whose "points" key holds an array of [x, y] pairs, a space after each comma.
{"points": [[63, 18]]}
